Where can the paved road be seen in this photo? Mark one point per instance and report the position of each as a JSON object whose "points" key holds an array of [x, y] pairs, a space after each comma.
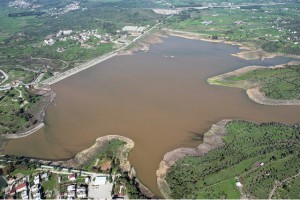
{"points": [[95, 61]]}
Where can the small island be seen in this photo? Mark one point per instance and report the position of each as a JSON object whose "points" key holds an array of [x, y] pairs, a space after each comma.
{"points": [[276, 85]]}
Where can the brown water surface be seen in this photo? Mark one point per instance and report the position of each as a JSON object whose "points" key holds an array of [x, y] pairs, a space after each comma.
{"points": [[155, 100]]}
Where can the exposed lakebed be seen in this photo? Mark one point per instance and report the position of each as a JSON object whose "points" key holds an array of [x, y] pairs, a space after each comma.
{"points": [[159, 99]]}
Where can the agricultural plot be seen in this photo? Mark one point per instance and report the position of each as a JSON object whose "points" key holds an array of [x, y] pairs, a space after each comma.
{"points": [[254, 155], [272, 28]]}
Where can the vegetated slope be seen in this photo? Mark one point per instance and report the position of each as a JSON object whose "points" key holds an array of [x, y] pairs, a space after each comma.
{"points": [[271, 28], [276, 83], [247, 146], [16, 110]]}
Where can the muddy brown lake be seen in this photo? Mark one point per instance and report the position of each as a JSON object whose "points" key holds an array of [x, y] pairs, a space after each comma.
{"points": [[159, 99]]}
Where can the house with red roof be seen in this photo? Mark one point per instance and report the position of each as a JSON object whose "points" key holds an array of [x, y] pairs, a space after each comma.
{"points": [[21, 188]]}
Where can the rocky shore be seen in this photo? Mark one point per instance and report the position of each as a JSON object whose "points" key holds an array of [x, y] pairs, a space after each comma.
{"points": [[212, 140]]}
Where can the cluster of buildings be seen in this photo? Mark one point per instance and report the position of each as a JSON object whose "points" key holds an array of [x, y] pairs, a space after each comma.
{"points": [[291, 35], [67, 186], [167, 11], [67, 8], [49, 41], [19, 4], [76, 191], [134, 30], [25, 187], [79, 36]]}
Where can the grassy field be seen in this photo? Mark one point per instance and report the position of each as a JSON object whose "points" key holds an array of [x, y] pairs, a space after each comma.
{"points": [[280, 83], [289, 190], [247, 145], [273, 28], [108, 153], [23, 171], [10, 25], [51, 184]]}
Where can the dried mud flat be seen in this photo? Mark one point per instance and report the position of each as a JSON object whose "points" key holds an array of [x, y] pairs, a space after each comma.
{"points": [[212, 140], [144, 44], [253, 90]]}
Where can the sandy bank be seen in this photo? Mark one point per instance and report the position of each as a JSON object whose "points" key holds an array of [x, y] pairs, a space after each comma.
{"points": [[247, 53], [212, 139], [253, 90]]}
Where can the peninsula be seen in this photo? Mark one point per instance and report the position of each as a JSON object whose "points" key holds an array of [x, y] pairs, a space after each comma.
{"points": [[275, 85]]}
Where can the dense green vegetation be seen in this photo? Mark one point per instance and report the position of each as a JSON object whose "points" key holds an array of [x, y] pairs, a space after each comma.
{"points": [[15, 106], [247, 146], [279, 83], [289, 190], [107, 153], [272, 28], [131, 185]]}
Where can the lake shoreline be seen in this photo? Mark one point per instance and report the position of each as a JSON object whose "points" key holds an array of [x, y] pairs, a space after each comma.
{"points": [[89, 153], [143, 45], [246, 52], [212, 140], [48, 97], [253, 90], [142, 48], [122, 155]]}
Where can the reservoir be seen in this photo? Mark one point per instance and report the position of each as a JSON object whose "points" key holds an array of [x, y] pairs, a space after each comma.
{"points": [[160, 99]]}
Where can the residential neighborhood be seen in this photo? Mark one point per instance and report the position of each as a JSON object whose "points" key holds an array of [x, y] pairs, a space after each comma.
{"points": [[53, 182]]}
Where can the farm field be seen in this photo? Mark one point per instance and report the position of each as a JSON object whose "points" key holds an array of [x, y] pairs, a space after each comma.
{"points": [[254, 155]]}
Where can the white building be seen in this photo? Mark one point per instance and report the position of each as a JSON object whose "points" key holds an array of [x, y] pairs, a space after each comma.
{"points": [[71, 188], [81, 192], [36, 180], [49, 42], [134, 29], [100, 180]]}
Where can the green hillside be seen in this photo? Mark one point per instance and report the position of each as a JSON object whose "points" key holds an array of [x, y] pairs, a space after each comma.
{"points": [[256, 155]]}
